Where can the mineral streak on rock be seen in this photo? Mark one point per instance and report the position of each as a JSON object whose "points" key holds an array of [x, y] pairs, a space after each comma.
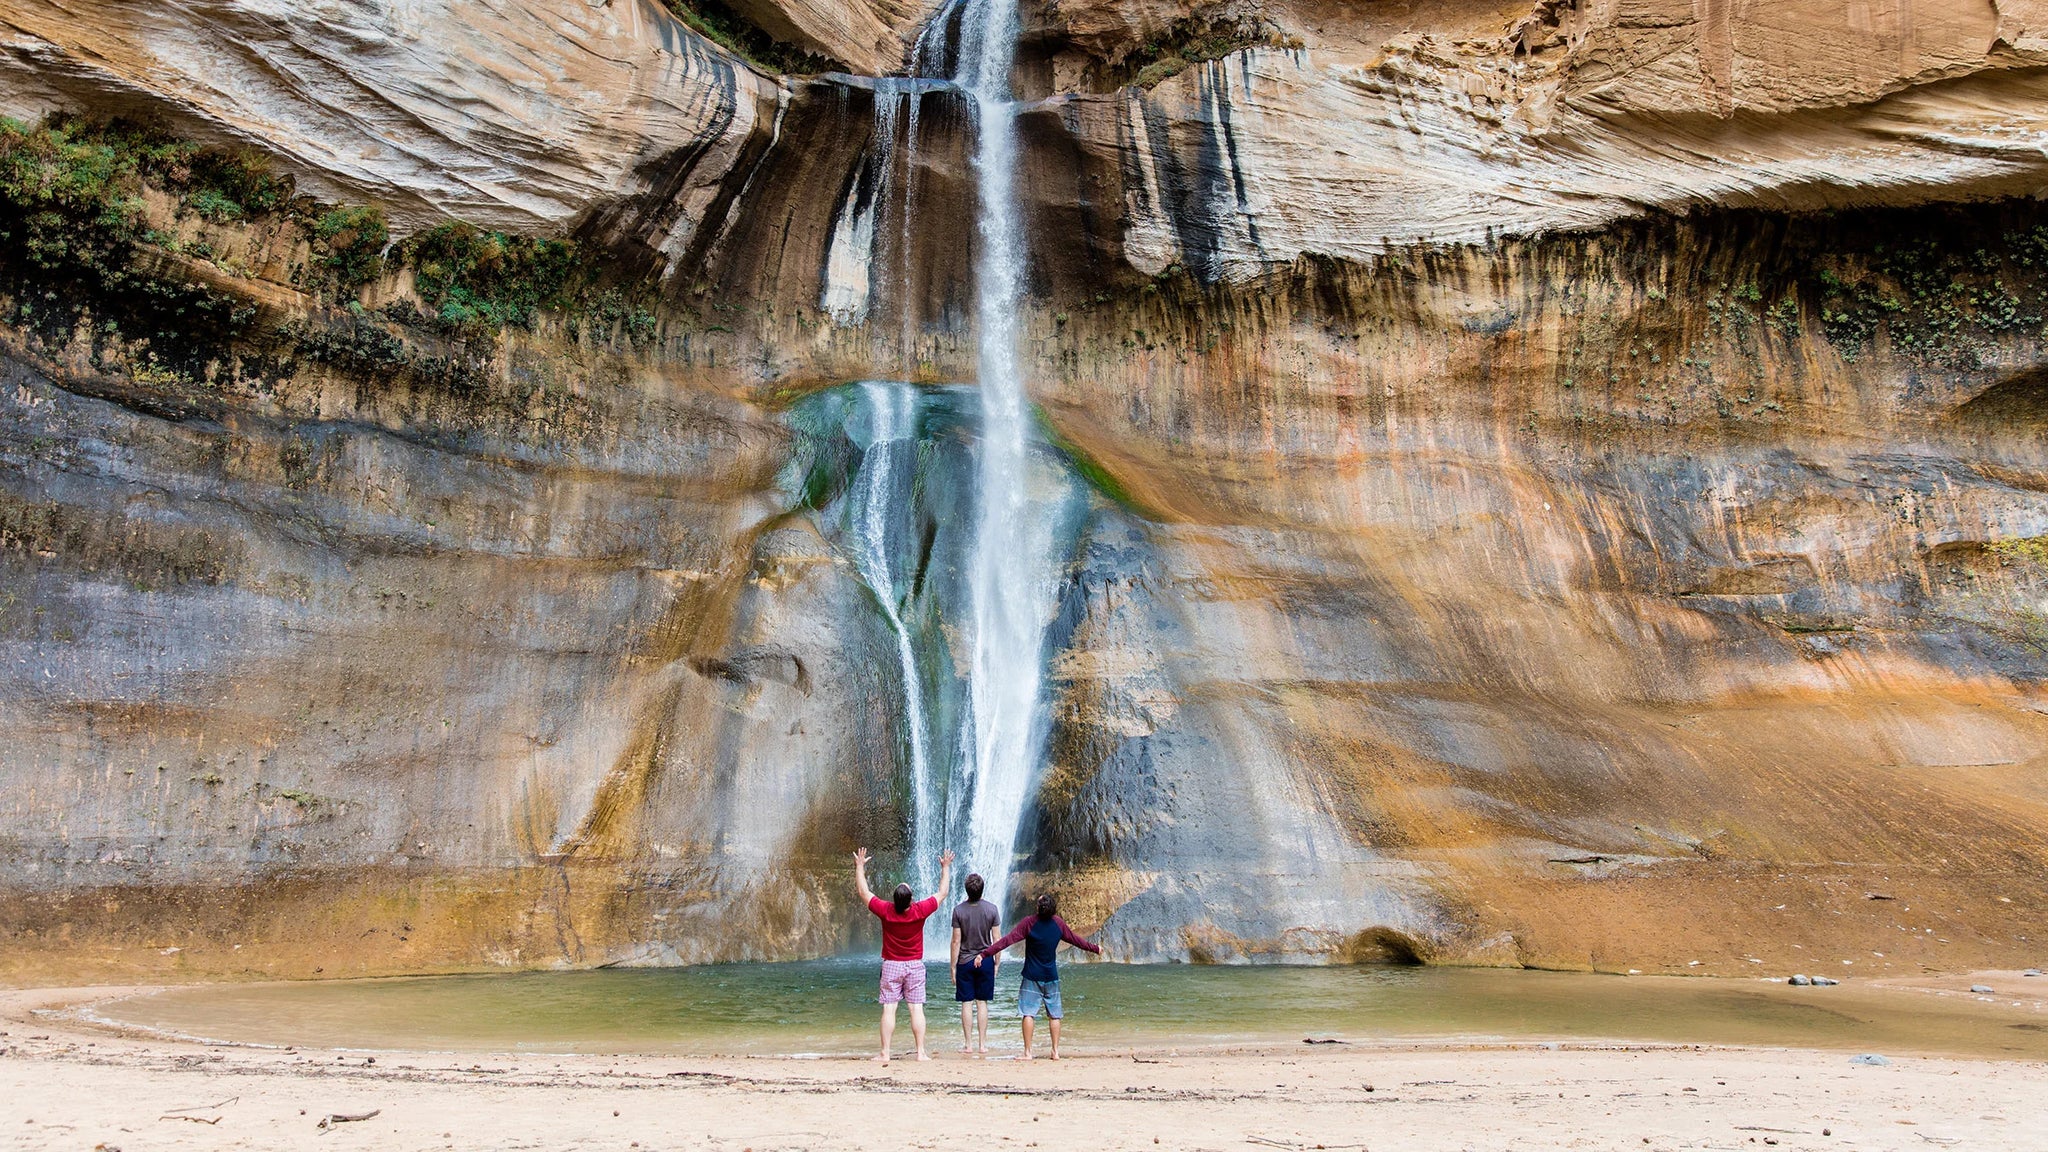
{"points": [[1569, 488]]}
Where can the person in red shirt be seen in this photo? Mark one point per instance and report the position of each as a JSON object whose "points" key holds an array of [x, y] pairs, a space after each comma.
{"points": [[902, 947]]}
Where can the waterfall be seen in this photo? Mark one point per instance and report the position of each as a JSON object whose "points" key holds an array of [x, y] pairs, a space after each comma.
{"points": [[970, 45], [1011, 582], [879, 518]]}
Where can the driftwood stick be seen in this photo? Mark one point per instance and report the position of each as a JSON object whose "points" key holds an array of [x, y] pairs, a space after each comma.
{"points": [[204, 1107], [333, 1118]]}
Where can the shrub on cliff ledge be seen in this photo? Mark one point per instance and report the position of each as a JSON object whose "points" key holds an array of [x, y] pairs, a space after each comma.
{"points": [[72, 197], [468, 277], [351, 241]]}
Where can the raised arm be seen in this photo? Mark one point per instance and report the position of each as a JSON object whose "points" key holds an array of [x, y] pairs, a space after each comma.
{"points": [[945, 874], [860, 874], [1067, 934]]}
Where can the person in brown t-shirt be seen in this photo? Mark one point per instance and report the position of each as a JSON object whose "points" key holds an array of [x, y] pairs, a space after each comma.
{"points": [[975, 922]]}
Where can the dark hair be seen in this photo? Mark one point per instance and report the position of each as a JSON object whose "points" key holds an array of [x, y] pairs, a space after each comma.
{"points": [[903, 897], [974, 885], [1048, 906]]}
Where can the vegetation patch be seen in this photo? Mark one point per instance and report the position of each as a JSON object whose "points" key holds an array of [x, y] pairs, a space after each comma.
{"points": [[1933, 294], [2030, 552], [350, 242], [745, 39], [304, 800], [103, 224], [1191, 41], [468, 277]]}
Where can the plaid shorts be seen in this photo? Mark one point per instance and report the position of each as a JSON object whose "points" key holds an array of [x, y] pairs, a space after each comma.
{"points": [[902, 981]]}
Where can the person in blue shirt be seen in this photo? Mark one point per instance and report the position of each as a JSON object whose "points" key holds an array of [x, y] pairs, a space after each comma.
{"points": [[1042, 935]]}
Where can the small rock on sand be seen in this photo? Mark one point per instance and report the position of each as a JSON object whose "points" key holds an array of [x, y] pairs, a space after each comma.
{"points": [[1981, 989], [1801, 981], [2031, 972], [1825, 981], [1870, 1059]]}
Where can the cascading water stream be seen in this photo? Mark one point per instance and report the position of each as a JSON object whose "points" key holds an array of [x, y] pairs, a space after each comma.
{"points": [[1011, 584], [878, 514]]}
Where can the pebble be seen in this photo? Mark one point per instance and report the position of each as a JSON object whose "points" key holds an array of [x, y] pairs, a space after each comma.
{"points": [[1870, 1059], [2028, 972], [1826, 981], [1981, 989], [1801, 981]]}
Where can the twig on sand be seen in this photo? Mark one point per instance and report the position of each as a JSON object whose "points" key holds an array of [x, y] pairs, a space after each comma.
{"points": [[194, 1119], [332, 1118], [1944, 1141], [1291, 1144], [203, 1107], [1758, 1128], [1313, 1040]]}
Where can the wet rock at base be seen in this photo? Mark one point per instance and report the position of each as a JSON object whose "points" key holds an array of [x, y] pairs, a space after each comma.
{"points": [[1869, 1059]]}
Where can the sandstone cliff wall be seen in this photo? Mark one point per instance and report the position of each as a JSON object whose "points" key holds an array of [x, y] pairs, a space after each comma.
{"points": [[1490, 562]]}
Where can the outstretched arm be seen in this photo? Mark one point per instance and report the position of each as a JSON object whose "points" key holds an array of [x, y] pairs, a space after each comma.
{"points": [[1015, 935], [1067, 934], [860, 874], [945, 874]]}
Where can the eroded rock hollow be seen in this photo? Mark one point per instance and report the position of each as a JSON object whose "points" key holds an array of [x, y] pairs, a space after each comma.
{"points": [[1558, 484]]}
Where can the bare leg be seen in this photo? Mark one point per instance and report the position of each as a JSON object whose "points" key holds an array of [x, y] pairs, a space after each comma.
{"points": [[967, 1027], [1028, 1022], [917, 1030], [981, 1027], [888, 1031], [1055, 1037]]}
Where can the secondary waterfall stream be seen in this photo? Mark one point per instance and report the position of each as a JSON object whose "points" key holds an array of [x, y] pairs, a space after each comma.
{"points": [[879, 509]]}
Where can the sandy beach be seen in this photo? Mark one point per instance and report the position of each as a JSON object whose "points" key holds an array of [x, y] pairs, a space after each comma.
{"points": [[68, 1085]]}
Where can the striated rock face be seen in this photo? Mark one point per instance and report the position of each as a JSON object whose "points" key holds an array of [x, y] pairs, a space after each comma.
{"points": [[1573, 581], [871, 36], [1568, 488], [506, 114]]}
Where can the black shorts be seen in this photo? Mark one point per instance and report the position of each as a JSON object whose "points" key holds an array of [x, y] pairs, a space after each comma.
{"points": [[972, 983]]}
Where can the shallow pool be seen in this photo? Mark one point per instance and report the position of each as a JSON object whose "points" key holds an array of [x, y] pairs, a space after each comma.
{"points": [[828, 1008]]}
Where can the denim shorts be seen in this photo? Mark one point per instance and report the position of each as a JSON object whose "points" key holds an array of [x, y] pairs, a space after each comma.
{"points": [[1035, 994]]}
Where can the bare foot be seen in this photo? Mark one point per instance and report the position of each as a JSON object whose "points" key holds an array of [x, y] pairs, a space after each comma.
{"points": [[922, 1056], [882, 1059], [1055, 1054], [965, 1050], [1027, 1056]]}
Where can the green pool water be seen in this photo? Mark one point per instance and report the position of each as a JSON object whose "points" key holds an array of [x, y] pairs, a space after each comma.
{"points": [[828, 1008]]}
